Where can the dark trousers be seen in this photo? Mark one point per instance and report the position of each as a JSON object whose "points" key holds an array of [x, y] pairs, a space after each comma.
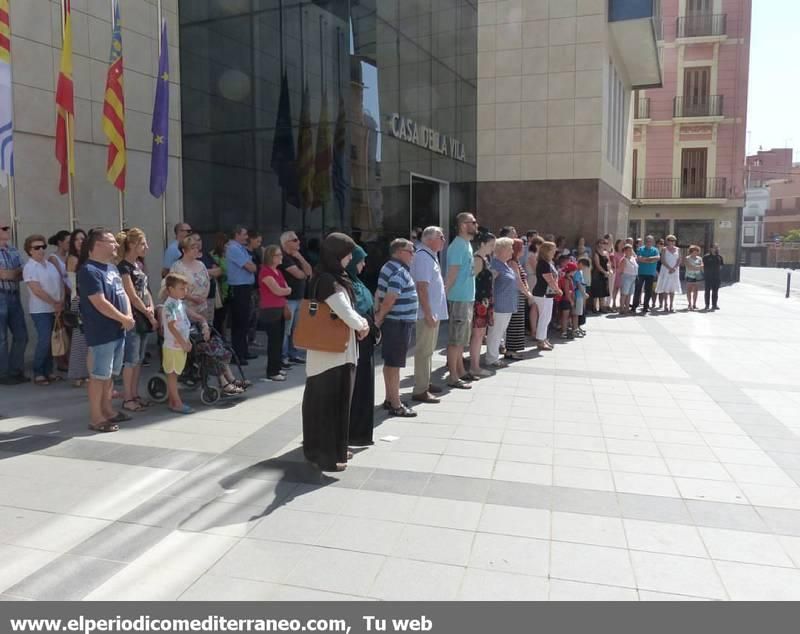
{"points": [[646, 282], [274, 329], [221, 319], [240, 319], [712, 291]]}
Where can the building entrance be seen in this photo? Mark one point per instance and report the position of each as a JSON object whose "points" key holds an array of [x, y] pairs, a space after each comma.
{"points": [[429, 204]]}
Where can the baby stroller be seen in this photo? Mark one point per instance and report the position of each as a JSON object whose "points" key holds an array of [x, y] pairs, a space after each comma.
{"points": [[206, 359]]}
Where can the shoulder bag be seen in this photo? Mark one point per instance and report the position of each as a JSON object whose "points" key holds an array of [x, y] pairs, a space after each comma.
{"points": [[318, 328]]}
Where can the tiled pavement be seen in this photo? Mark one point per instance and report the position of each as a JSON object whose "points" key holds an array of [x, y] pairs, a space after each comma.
{"points": [[659, 458]]}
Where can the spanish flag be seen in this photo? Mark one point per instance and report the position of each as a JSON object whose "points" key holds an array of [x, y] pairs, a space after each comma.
{"points": [[65, 107], [114, 108]]}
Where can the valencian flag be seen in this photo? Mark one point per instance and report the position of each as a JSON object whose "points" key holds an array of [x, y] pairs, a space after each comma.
{"points": [[114, 108], [6, 98], [305, 154], [160, 128], [283, 158], [65, 107], [322, 161], [340, 185]]}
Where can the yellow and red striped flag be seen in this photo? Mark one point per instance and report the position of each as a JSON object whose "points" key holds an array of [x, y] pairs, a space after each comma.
{"points": [[6, 98], [114, 108], [65, 107]]}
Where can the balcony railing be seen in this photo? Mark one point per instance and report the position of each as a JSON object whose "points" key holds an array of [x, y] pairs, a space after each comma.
{"points": [[703, 25], [665, 188], [642, 108], [706, 106]]}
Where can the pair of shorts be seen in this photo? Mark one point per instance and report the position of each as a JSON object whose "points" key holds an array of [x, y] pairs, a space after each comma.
{"points": [[106, 359], [579, 305], [396, 338], [628, 286], [459, 330], [173, 361], [564, 305], [135, 348]]}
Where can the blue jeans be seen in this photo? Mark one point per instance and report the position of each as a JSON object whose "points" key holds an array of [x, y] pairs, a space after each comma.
{"points": [[289, 351], [42, 357], [12, 318]]}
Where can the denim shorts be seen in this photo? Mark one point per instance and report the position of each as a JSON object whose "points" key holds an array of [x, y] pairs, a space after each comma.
{"points": [[628, 285], [135, 347], [106, 359]]}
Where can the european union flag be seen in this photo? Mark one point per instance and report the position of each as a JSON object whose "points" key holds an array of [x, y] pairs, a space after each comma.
{"points": [[160, 127]]}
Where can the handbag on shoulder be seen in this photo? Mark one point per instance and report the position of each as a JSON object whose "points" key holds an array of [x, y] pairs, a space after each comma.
{"points": [[318, 328]]}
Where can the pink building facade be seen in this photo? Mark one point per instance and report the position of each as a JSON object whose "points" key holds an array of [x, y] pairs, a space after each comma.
{"points": [[689, 136]]}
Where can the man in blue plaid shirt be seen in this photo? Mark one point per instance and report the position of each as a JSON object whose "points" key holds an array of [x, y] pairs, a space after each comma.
{"points": [[12, 317]]}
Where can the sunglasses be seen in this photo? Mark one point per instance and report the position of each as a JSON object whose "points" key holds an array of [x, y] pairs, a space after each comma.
{"points": [[38, 247], [7, 228]]}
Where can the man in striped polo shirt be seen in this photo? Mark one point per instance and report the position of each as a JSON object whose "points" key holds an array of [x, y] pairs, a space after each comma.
{"points": [[396, 315]]}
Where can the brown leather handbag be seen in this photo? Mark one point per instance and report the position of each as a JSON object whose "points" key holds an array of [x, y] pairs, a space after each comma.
{"points": [[318, 328]]}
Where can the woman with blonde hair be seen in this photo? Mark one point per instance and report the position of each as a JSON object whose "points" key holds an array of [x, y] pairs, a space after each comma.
{"points": [[133, 247], [545, 289], [192, 268]]}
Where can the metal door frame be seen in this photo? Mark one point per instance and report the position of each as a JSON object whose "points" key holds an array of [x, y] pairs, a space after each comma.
{"points": [[444, 202]]}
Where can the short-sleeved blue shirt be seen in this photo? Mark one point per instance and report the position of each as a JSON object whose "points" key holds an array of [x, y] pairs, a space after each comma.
{"points": [[236, 256], [647, 268], [396, 278], [171, 255], [459, 254], [506, 292], [97, 278]]}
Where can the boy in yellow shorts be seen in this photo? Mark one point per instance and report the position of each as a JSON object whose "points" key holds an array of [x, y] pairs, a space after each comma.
{"points": [[176, 339]]}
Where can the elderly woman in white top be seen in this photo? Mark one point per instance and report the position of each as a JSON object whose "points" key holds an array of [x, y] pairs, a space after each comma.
{"points": [[192, 268], [330, 375], [45, 301]]}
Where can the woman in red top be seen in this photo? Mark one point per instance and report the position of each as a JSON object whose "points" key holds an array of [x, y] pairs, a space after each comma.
{"points": [[273, 291]]}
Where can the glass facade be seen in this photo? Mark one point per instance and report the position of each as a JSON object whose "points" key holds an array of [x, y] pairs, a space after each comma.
{"points": [[316, 115]]}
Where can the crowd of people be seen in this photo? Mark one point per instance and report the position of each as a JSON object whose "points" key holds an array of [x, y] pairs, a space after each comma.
{"points": [[93, 292]]}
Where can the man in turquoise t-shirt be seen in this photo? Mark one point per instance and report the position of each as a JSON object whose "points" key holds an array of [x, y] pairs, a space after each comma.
{"points": [[648, 257], [460, 287]]}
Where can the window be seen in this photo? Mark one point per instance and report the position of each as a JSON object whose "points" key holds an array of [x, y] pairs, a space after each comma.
{"points": [[778, 204], [749, 235], [797, 203], [615, 118], [693, 172]]}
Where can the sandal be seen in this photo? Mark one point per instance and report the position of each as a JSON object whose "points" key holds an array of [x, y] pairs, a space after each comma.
{"points": [[243, 383], [402, 412], [104, 427], [41, 380], [120, 417], [230, 389], [459, 385], [144, 403], [54, 378], [136, 407], [470, 377]]}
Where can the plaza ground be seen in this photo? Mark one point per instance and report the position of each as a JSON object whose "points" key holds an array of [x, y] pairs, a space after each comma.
{"points": [[658, 458]]}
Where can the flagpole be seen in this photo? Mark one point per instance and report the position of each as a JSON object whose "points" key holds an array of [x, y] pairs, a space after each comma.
{"points": [[303, 86], [283, 70], [164, 230], [322, 89], [120, 194], [70, 139], [12, 208], [339, 36]]}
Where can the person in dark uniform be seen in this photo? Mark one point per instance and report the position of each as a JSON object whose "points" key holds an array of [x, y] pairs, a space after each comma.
{"points": [[712, 269]]}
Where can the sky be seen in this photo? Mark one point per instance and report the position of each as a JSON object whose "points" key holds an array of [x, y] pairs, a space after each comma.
{"points": [[773, 109]]}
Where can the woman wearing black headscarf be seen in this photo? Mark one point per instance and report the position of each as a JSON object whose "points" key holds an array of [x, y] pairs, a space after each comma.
{"points": [[330, 375]]}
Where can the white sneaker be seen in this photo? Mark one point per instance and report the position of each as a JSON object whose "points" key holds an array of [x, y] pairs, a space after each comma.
{"points": [[277, 377]]}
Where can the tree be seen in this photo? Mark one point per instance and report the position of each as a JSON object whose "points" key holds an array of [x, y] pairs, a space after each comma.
{"points": [[792, 236]]}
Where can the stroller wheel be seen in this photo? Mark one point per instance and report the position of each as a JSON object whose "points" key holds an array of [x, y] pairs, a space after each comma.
{"points": [[209, 395], [157, 388]]}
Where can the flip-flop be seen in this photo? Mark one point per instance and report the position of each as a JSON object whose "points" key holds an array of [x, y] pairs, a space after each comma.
{"points": [[182, 410], [120, 417], [104, 427]]}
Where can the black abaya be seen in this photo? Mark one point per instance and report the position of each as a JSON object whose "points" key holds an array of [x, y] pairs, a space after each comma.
{"points": [[326, 416], [362, 408]]}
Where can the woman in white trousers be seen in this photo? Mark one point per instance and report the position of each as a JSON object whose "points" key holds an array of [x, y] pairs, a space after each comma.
{"points": [[544, 291]]}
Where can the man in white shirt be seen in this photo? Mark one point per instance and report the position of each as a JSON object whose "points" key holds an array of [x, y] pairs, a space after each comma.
{"points": [[427, 274]]}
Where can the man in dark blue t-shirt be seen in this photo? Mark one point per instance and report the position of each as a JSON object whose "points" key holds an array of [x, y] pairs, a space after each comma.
{"points": [[648, 257], [106, 316]]}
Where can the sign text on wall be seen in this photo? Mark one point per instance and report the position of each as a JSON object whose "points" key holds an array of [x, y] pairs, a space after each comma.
{"points": [[428, 138]]}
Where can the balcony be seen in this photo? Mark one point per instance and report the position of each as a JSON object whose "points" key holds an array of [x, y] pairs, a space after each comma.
{"points": [[675, 188], [641, 109], [632, 24], [703, 25], [706, 106]]}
